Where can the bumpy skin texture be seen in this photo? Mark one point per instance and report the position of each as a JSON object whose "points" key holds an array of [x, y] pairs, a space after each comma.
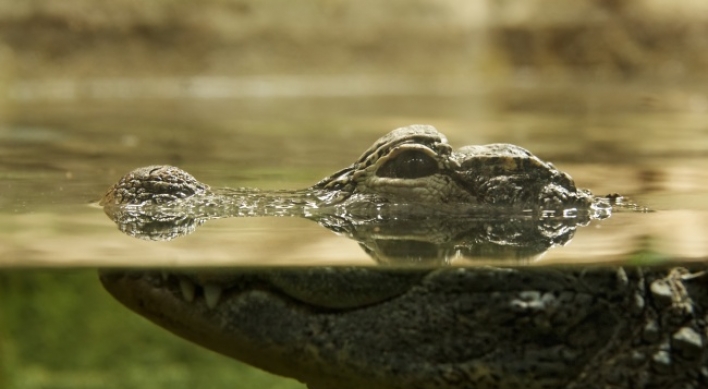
{"points": [[387, 328], [411, 164], [153, 184], [445, 328], [501, 174]]}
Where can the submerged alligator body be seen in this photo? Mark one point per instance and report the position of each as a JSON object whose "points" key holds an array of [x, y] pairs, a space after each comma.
{"points": [[410, 199], [447, 328]]}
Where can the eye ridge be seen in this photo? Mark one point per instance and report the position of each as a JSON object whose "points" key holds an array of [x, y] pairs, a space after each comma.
{"points": [[409, 165]]}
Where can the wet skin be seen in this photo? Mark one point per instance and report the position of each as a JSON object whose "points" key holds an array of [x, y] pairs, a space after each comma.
{"points": [[413, 165], [444, 328], [421, 327]]}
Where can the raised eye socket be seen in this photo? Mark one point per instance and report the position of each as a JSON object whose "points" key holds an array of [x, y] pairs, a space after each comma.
{"points": [[409, 164]]}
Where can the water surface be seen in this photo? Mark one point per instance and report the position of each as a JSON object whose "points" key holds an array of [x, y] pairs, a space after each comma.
{"points": [[60, 155]]}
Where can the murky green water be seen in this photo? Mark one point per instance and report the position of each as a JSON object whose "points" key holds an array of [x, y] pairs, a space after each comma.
{"points": [[59, 156]]}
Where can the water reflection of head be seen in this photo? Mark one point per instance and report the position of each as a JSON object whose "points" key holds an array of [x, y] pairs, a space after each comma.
{"points": [[395, 241]]}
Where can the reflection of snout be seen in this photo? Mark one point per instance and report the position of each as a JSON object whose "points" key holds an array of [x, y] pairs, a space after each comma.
{"points": [[139, 223], [407, 252]]}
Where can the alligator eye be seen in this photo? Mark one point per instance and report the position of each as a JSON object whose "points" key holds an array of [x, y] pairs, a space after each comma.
{"points": [[409, 164]]}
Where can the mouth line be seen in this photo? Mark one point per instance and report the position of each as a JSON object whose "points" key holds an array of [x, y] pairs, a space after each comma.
{"points": [[225, 320], [209, 293], [185, 289]]}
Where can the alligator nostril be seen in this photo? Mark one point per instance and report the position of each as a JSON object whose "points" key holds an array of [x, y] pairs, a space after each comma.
{"points": [[153, 184]]}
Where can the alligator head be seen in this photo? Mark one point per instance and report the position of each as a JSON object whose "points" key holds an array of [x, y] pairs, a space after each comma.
{"points": [[411, 165], [420, 327]]}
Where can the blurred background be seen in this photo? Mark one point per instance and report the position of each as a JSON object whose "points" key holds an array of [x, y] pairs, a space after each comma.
{"points": [[592, 39], [278, 94]]}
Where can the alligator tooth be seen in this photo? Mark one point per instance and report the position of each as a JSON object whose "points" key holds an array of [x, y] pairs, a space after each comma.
{"points": [[212, 293], [187, 289]]}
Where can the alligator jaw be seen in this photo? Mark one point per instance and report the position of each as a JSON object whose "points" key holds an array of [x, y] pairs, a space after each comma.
{"points": [[452, 328], [256, 323], [161, 299]]}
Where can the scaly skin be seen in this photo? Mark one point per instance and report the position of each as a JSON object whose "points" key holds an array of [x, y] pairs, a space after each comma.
{"points": [[411, 165], [452, 328], [421, 328]]}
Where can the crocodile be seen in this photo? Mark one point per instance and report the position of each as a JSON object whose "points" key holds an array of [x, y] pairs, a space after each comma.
{"points": [[428, 326]]}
